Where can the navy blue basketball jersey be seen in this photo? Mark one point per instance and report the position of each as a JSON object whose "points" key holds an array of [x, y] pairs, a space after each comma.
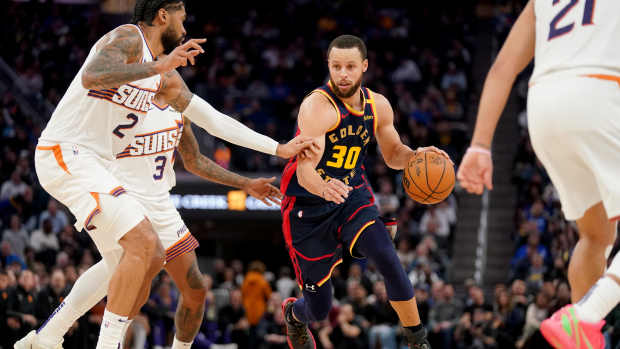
{"points": [[345, 144]]}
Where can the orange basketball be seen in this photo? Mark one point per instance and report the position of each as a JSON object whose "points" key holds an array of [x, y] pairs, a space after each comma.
{"points": [[428, 178]]}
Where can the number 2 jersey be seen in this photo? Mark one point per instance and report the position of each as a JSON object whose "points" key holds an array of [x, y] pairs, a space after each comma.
{"points": [[346, 143], [145, 165], [576, 37], [101, 119]]}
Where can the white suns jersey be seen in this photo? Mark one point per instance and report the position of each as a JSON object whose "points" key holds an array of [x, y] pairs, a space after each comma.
{"points": [[101, 119], [579, 36], [145, 165]]}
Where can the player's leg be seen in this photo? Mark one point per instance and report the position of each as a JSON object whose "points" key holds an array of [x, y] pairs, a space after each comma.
{"points": [[298, 313], [193, 293], [143, 255], [579, 325], [374, 242], [588, 261], [87, 291]]}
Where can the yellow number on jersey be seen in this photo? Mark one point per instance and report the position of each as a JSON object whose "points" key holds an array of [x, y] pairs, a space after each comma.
{"points": [[339, 153]]}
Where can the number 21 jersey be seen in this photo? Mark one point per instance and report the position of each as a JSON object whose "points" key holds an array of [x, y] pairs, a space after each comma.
{"points": [[577, 36]]}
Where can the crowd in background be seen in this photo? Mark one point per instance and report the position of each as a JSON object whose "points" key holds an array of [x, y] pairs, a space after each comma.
{"points": [[257, 69]]}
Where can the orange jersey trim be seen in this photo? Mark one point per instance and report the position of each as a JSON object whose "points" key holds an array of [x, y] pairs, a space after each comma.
{"points": [[614, 78], [57, 154], [329, 275]]}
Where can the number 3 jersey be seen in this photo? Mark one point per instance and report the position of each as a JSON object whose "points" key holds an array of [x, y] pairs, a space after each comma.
{"points": [[346, 143], [145, 165], [576, 37], [101, 119]]}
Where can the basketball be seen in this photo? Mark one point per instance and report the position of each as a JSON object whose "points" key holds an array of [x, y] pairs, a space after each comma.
{"points": [[428, 178]]}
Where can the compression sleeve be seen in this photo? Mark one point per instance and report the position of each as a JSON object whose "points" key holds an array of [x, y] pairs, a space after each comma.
{"points": [[223, 126]]}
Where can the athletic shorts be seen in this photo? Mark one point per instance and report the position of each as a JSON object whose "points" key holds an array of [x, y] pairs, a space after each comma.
{"points": [[316, 232], [80, 180], [574, 125], [168, 225]]}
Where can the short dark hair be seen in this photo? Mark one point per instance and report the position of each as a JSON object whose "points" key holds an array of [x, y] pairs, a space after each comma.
{"points": [[146, 10], [348, 41]]}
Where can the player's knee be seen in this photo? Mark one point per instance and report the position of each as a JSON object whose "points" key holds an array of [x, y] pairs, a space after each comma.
{"points": [[320, 310], [196, 296]]}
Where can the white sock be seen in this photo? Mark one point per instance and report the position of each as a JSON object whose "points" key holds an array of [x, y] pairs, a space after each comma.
{"points": [[111, 330], [57, 324], [177, 344], [124, 333], [599, 301]]}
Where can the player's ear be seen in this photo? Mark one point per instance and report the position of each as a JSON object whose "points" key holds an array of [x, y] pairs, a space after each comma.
{"points": [[162, 14], [365, 65]]}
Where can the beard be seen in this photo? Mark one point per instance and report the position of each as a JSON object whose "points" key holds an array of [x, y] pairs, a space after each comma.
{"points": [[170, 40], [346, 93]]}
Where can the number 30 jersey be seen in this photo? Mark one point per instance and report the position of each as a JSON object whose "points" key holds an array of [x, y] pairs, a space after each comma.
{"points": [[145, 165], [101, 119], [346, 143], [576, 36]]}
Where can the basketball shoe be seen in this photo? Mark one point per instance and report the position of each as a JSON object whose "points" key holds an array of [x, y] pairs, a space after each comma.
{"points": [[563, 330], [31, 341], [298, 335]]}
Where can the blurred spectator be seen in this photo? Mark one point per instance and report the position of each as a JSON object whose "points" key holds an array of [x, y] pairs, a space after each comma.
{"points": [[16, 236], [285, 284], [8, 259], [454, 78], [45, 243], [272, 329], [444, 316], [21, 308], [255, 292], [536, 313], [383, 319], [51, 296], [162, 306], [346, 333], [232, 321], [13, 187], [57, 217]]}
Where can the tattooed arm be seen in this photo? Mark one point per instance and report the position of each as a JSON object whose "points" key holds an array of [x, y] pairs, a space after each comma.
{"points": [[117, 60], [202, 166]]}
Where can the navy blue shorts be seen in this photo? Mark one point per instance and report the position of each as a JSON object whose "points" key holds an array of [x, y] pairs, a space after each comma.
{"points": [[316, 232]]}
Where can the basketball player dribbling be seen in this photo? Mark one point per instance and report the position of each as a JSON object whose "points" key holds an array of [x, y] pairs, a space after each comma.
{"points": [[328, 204], [105, 102], [573, 100]]}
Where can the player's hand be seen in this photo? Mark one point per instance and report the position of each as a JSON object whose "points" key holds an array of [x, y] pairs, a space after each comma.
{"points": [[263, 190], [336, 191], [476, 172], [181, 55], [435, 150], [298, 145]]}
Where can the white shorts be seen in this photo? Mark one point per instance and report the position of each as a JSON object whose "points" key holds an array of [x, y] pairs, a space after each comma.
{"points": [[574, 125], [80, 180], [168, 225]]}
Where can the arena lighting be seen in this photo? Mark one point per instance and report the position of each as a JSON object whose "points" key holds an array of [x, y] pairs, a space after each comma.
{"points": [[234, 200]]}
